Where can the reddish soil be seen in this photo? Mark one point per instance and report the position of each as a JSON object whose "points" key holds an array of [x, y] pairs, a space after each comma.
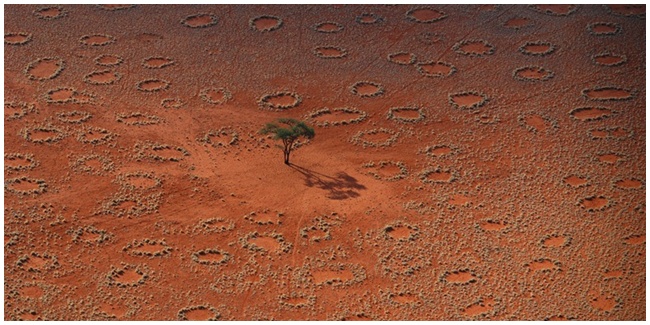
{"points": [[608, 93], [475, 47], [608, 59], [459, 199], [44, 69], [366, 89], [591, 113], [603, 29], [459, 277], [555, 241], [436, 68], [537, 48], [492, 225], [156, 86], [108, 60], [536, 122], [403, 58], [517, 22], [33, 292], [102, 77], [325, 276], [199, 314], [467, 100]]}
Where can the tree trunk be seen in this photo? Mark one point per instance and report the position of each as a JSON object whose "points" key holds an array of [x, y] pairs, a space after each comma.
{"points": [[287, 152]]}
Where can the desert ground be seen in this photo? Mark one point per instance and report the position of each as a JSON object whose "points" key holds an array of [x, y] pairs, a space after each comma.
{"points": [[471, 162]]}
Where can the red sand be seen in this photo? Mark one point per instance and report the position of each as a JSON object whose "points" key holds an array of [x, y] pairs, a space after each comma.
{"points": [[141, 160]]}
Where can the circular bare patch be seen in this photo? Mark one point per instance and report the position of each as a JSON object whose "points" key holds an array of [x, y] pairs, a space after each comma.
{"points": [[403, 58], [368, 19], [44, 68], [152, 85], [604, 28], [43, 134], [265, 23], [127, 276], [19, 162], [102, 77], [630, 183], [16, 110], [438, 175], [468, 99], [367, 89], [536, 122], [220, 138], [175, 103], [544, 265], [157, 62], [147, 247], [137, 118], [19, 38], [64, 95], [410, 114], [401, 231], [459, 277], [375, 138], [280, 100], [434, 69], [609, 59], [211, 256], [532, 73], [595, 203], [109, 60], [330, 52], [386, 170], [50, 13], [201, 20], [425, 15], [97, 39], [89, 235], [591, 113], [297, 300], [337, 116], [440, 150], [138, 180], [328, 27], [160, 152], [25, 186], [487, 118], [199, 313], [266, 243], [114, 7], [555, 9], [36, 262], [474, 48], [517, 23], [95, 135], [265, 217], [93, 164], [555, 241], [216, 225], [608, 93], [538, 48], [429, 38], [74, 117], [216, 96], [628, 10]]}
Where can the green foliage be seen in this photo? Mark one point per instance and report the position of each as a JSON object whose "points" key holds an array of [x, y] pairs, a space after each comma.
{"points": [[288, 130]]}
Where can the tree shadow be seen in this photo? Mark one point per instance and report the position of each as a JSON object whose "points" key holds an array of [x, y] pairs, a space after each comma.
{"points": [[340, 187]]}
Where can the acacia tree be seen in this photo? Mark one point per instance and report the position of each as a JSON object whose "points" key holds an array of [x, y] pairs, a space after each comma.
{"points": [[293, 130]]}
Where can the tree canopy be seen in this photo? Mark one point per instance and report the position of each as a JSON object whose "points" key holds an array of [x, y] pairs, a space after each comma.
{"points": [[288, 130]]}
